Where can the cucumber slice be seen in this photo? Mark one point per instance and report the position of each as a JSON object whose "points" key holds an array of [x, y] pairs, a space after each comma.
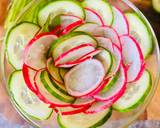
{"points": [[45, 95], [17, 39], [140, 31], [52, 88], [84, 120], [54, 71], [62, 72], [55, 8], [111, 83], [25, 99], [156, 5], [135, 94], [105, 58], [70, 41], [102, 7]]}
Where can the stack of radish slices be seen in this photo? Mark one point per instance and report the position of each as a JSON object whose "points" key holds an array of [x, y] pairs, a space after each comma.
{"points": [[88, 65]]}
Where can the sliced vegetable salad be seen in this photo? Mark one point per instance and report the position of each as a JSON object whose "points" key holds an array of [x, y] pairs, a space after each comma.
{"points": [[80, 60]]}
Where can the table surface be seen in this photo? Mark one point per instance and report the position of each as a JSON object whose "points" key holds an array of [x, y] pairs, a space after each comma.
{"points": [[153, 110]]}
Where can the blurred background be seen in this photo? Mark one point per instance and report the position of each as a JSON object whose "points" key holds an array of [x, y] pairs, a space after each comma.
{"points": [[151, 9]]}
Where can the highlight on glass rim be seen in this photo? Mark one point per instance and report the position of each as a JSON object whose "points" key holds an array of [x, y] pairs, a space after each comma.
{"points": [[79, 63]]}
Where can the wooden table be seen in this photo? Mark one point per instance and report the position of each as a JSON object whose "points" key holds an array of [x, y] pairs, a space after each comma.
{"points": [[153, 111]]}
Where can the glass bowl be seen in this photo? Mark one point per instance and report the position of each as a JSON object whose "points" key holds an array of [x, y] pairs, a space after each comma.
{"points": [[118, 120]]}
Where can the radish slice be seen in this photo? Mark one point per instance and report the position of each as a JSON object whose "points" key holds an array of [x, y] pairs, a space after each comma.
{"points": [[100, 87], [70, 27], [84, 101], [80, 60], [84, 78], [100, 106], [115, 51], [92, 16], [28, 75], [109, 32], [74, 54], [44, 95], [119, 21], [115, 89], [66, 20], [132, 56], [35, 51], [70, 110]]}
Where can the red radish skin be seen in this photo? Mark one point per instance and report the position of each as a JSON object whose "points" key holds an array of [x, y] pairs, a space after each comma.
{"points": [[105, 104], [101, 105], [73, 111], [117, 26], [80, 60], [100, 87], [71, 64], [70, 27], [86, 101], [88, 65], [122, 83], [56, 31], [57, 61], [29, 46], [43, 98], [141, 65], [95, 14], [29, 80]]}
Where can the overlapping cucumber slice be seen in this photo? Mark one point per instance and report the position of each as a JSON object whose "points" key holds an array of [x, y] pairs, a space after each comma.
{"points": [[84, 120], [135, 94], [17, 39], [55, 8], [26, 100], [140, 31], [54, 71], [105, 58], [102, 8], [49, 93]]}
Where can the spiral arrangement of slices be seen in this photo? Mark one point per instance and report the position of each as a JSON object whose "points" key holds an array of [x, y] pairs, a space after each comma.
{"points": [[90, 65], [84, 64]]}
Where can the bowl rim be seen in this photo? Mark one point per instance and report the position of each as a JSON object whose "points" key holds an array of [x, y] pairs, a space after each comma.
{"points": [[154, 85]]}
